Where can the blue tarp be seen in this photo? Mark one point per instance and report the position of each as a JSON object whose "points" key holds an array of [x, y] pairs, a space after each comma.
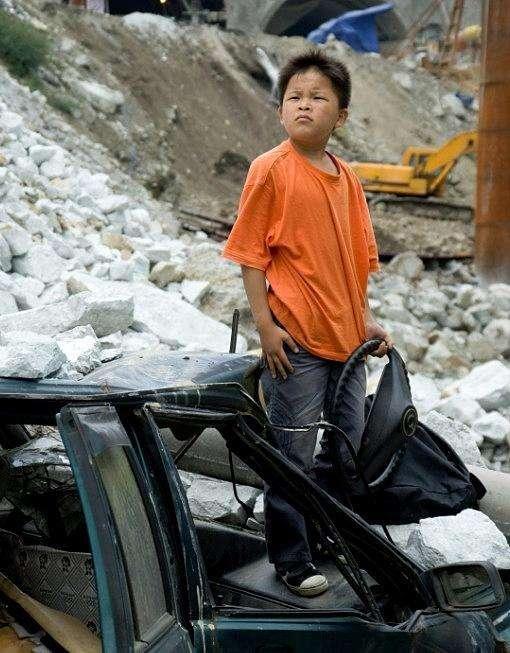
{"points": [[356, 28]]}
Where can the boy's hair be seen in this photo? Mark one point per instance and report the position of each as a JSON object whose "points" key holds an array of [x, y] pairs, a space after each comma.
{"points": [[335, 70]]}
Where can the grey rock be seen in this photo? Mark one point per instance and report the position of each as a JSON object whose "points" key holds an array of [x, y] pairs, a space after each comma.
{"points": [[41, 153], [112, 203], [193, 291], [498, 333], [104, 312], [459, 436], [493, 427], [100, 97], [81, 348], [480, 347], [407, 265], [12, 123], [30, 360], [5, 255], [18, 239], [466, 537], [40, 262], [461, 408], [7, 303], [425, 392], [166, 272], [412, 340], [489, 384], [499, 296], [133, 341], [210, 498], [453, 105], [53, 294]]}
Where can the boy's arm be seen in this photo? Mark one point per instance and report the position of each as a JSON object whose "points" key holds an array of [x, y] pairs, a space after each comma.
{"points": [[375, 330], [272, 336]]}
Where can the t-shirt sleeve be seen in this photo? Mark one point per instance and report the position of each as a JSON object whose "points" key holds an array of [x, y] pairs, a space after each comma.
{"points": [[247, 243], [373, 254]]}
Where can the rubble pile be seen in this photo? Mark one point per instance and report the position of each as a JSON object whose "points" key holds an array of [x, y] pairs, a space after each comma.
{"points": [[87, 274], [455, 338]]}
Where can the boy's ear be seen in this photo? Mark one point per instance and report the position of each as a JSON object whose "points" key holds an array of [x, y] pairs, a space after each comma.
{"points": [[343, 114]]}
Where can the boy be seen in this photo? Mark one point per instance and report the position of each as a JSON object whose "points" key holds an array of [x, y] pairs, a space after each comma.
{"points": [[303, 224]]}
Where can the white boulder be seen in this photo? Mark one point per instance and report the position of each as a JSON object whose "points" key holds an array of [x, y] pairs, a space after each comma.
{"points": [[460, 437], [100, 97], [407, 265], [30, 360], [489, 384], [40, 262], [81, 348], [493, 427], [466, 537], [464, 409]]}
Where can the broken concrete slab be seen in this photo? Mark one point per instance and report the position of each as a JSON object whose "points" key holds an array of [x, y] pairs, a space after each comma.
{"points": [[466, 537], [166, 315], [211, 498], [493, 427], [459, 436], [488, 383], [105, 313], [81, 348], [464, 409], [40, 262], [30, 360]]}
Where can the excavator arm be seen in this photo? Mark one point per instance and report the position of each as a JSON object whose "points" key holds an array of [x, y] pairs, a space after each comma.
{"points": [[422, 171]]}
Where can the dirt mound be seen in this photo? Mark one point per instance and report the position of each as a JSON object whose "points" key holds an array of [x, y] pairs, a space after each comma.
{"points": [[196, 104]]}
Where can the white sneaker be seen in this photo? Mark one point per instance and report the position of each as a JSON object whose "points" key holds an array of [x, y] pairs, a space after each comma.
{"points": [[305, 580]]}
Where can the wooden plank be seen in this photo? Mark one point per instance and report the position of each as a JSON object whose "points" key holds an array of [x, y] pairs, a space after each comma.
{"points": [[68, 631]]}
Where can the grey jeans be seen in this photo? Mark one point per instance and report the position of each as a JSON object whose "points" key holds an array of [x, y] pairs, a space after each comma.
{"points": [[299, 400]]}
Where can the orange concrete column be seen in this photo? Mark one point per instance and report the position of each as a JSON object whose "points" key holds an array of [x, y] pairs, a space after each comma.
{"points": [[492, 227]]}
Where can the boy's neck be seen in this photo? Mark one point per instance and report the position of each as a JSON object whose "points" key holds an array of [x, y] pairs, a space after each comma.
{"points": [[313, 152]]}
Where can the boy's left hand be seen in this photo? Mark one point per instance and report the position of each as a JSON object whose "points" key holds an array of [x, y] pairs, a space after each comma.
{"points": [[375, 330]]}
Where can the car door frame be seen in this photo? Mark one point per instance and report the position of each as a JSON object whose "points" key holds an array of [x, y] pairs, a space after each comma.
{"points": [[112, 577]]}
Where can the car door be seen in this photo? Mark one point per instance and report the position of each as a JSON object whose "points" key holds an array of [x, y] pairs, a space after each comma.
{"points": [[139, 600]]}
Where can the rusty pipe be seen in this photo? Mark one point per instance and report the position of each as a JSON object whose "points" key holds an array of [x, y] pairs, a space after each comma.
{"points": [[492, 222]]}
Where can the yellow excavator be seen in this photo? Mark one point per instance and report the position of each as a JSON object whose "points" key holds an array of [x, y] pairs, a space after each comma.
{"points": [[422, 173]]}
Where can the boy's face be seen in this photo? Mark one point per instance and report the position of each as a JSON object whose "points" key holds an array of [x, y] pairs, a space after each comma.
{"points": [[310, 109]]}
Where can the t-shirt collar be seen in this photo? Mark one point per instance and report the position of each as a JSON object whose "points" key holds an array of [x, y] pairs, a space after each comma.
{"points": [[309, 165]]}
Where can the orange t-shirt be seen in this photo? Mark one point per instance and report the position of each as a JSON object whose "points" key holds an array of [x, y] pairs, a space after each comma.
{"points": [[310, 232]]}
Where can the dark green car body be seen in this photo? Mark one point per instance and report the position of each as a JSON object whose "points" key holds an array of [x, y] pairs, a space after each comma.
{"points": [[153, 586]]}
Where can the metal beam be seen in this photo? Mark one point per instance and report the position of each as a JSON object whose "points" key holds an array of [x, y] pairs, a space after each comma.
{"points": [[492, 232]]}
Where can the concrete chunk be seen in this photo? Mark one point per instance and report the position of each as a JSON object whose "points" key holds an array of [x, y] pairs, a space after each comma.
{"points": [[105, 313], [40, 262], [459, 436], [30, 360], [81, 348], [466, 537], [210, 498], [489, 384]]}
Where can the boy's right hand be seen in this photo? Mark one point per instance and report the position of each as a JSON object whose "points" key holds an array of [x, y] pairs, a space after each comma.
{"points": [[272, 338]]}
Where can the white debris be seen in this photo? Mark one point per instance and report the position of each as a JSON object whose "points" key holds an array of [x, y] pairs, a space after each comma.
{"points": [[408, 265], [193, 291], [461, 408], [40, 262], [489, 384], [210, 498], [81, 348], [493, 427], [30, 360], [466, 537], [100, 97], [460, 437]]}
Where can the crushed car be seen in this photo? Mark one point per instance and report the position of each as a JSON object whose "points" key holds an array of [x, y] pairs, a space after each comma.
{"points": [[99, 549]]}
